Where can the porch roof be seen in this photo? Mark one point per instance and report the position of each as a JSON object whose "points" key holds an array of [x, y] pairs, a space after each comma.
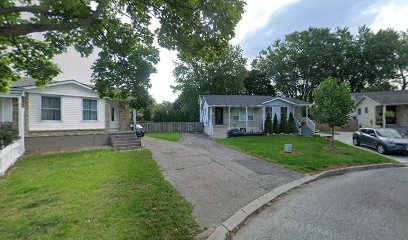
{"points": [[385, 97], [246, 100]]}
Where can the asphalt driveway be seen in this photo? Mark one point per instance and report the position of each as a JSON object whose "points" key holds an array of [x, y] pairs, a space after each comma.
{"points": [[360, 205], [347, 138], [217, 180]]}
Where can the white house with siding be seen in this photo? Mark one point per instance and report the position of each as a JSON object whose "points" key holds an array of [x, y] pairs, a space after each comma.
{"points": [[219, 113]]}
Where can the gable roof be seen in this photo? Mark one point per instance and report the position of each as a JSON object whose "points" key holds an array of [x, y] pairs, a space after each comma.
{"points": [[29, 83], [246, 100], [384, 97]]}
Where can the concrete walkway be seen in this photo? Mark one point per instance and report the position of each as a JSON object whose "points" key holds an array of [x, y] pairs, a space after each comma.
{"points": [[347, 138], [360, 205], [217, 180]]}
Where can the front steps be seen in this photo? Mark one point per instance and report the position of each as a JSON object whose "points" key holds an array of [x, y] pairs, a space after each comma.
{"points": [[307, 131], [125, 141]]}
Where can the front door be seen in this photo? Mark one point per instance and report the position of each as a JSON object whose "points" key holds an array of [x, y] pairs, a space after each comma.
{"points": [[114, 121], [219, 116]]}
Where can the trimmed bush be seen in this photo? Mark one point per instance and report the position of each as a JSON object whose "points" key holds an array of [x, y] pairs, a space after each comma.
{"points": [[268, 124], [235, 133], [292, 124], [7, 134], [283, 128], [275, 124]]}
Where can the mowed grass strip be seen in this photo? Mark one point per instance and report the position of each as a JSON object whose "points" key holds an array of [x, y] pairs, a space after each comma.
{"points": [[168, 136], [101, 194], [310, 154]]}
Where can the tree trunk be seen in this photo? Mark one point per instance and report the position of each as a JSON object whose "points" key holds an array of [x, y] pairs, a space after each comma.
{"points": [[332, 141]]}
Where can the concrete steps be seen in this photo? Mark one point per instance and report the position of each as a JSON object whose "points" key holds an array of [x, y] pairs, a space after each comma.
{"points": [[220, 133], [307, 131], [123, 141]]}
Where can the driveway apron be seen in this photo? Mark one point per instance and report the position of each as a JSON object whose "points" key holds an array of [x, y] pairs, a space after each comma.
{"points": [[217, 180]]}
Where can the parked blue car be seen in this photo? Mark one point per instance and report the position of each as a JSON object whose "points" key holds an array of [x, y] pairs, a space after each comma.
{"points": [[385, 140]]}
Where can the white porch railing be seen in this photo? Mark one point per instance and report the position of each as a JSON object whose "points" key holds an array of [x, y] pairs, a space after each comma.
{"points": [[10, 154], [311, 124]]}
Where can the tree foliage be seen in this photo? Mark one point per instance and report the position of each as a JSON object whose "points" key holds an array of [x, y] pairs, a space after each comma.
{"points": [[166, 112], [332, 104], [302, 60], [258, 83], [120, 32], [224, 76]]}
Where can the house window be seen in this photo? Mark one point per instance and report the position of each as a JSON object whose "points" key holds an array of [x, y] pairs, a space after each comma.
{"points": [[50, 108], [239, 114], [284, 112], [359, 111], [366, 110], [89, 109]]}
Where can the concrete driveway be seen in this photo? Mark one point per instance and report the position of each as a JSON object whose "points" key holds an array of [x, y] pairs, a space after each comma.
{"points": [[217, 180], [347, 138], [361, 205]]}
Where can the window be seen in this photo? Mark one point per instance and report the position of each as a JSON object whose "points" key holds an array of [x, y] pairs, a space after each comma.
{"points": [[359, 111], [366, 110], [50, 108], [239, 114], [284, 112], [89, 109], [112, 114]]}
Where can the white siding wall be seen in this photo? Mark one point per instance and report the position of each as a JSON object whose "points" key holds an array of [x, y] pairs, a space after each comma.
{"points": [[71, 109], [276, 108], [366, 119]]}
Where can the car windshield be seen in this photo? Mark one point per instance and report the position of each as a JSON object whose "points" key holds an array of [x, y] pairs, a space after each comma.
{"points": [[388, 133]]}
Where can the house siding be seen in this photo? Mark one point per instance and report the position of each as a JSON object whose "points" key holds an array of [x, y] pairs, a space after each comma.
{"points": [[366, 119], [402, 115]]}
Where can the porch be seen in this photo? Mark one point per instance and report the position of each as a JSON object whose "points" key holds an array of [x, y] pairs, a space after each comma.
{"points": [[12, 113], [396, 116]]}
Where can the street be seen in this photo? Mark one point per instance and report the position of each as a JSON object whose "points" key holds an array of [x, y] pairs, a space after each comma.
{"points": [[361, 205]]}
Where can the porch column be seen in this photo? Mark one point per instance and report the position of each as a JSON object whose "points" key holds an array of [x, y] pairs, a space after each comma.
{"points": [[263, 119], [307, 111], [229, 118], [134, 120], [246, 119], [384, 119], [21, 120]]}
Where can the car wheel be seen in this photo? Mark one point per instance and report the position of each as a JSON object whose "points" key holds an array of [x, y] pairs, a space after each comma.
{"points": [[356, 142], [381, 149]]}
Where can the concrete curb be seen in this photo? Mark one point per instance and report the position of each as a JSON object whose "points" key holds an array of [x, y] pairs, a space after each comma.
{"points": [[233, 223]]}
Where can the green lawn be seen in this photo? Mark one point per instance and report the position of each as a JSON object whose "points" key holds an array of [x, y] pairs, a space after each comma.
{"points": [[329, 132], [169, 136], [101, 194], [310, 155]]}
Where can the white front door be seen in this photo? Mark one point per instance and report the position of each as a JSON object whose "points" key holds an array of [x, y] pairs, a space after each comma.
{"points": [[114, 124]]}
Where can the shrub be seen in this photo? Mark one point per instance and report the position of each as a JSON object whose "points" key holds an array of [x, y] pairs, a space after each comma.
{"points": [[7, 134], [268, 124], [235, 133], [283, 128], [275, 124], [292, 124]]}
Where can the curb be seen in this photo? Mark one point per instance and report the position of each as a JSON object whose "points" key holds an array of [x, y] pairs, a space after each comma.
{"points": [[237, 219]]}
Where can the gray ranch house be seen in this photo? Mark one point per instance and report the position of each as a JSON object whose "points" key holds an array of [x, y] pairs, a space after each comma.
{"points": [[219, 113], [371, 106]]}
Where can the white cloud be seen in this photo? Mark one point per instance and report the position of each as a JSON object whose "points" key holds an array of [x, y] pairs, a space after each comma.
{"points": [[392, 15], [256, 16]]}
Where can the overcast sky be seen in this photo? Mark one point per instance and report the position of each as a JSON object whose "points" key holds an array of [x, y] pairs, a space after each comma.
{"points": [[263, 22]]}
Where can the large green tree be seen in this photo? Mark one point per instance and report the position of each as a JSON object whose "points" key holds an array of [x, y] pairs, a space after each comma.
{"points": [[224, 76], [119, 29], [332, 104], [258, 83]]}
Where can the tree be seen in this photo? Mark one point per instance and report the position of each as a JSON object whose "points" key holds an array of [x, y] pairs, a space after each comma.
{"points": [[258, 83], [268, 124], [283, 127], [223, 76], [332, 104], [119, 30], [275, 124], [292, 124]]}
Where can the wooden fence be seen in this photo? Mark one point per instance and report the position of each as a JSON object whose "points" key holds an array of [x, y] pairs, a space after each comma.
{"points": [[351, 127], [192, 127]]}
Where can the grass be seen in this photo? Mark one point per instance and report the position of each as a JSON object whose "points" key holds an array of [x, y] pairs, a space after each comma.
{"points": [[310, 155], [101, 194], [168, 136], [329, 132]]}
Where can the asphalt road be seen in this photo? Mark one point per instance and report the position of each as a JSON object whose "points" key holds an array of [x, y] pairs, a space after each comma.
{"points": [[361, 205]]}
